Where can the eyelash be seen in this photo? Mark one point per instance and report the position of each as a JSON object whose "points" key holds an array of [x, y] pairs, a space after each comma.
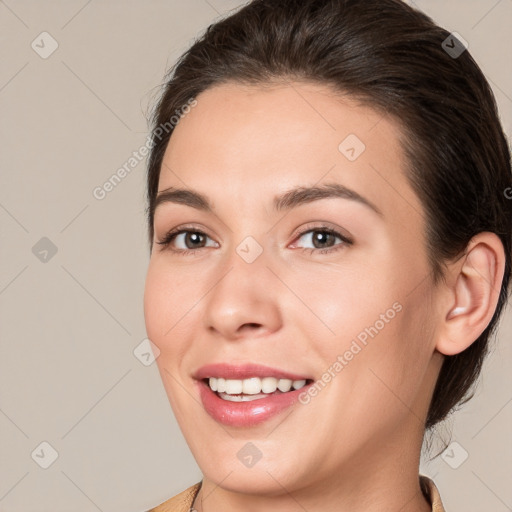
{"points": [[171, 235]]}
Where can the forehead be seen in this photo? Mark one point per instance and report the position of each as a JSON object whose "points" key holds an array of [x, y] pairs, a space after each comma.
{"points": [[256, 141]]}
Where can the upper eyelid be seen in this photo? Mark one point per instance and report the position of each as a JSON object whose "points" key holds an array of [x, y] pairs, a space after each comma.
{"points": [[302, 231], [323, 226]]}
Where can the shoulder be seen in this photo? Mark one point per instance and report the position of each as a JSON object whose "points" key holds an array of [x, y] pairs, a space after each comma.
{"points": [[432, 494], [182, 502]]}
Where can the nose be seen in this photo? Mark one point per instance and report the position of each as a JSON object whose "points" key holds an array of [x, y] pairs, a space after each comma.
{"points": [[244, 302]]}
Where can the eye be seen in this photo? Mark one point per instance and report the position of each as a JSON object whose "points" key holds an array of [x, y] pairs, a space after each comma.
{"points": [[186, 240], [323, 239]]}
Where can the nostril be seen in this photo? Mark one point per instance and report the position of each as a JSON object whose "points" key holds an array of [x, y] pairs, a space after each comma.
{"points": [[252, 325]]}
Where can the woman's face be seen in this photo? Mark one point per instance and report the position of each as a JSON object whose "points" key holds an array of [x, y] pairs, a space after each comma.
{"points": [[306, 257]]}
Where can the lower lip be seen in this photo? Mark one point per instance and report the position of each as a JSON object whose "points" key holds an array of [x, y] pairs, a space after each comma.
{"points": [[245, 414]]}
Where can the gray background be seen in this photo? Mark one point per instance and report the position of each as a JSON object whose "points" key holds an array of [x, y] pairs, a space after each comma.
{"points": [[69, 325]]}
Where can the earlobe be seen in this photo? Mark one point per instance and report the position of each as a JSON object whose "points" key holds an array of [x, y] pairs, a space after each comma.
{"points": [[474, 294]]}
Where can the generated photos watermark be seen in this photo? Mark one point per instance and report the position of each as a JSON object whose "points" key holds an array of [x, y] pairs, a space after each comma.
{"points": [[101, 191], [356, 346]]}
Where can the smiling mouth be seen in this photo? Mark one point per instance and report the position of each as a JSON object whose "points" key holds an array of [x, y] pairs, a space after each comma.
{"points": [[253, 388]]}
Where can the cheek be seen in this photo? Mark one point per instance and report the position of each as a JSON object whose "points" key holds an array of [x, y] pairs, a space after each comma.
{"points": [[155, 303], [168, 304], [169, 298], [351, 294], [377, 320], [336, 305], [387, 374]]}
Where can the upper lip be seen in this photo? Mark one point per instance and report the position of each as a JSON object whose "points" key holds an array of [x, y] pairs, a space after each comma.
{"points": [[244, 371]]}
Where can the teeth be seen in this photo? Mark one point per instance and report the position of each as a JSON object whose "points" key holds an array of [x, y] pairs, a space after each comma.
{"points": [[268, 384], [297, 384], [221, 385], [252, 386], [284, 385], [233, 387]]}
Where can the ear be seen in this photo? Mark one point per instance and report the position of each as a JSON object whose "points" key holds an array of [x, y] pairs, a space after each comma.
{"points": [[473, 289]]}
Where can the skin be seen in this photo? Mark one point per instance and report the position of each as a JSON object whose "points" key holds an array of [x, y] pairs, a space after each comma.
{"points": [[356, 445]]}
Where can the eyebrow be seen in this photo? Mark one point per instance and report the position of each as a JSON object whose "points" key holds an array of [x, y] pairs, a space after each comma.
{"points": [[286, 201]]}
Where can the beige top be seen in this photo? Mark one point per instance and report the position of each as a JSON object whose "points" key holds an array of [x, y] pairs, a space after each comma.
{"points": [[183, 501]]}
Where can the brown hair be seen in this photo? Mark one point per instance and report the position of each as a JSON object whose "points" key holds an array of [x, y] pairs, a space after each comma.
{"points": [[392, 58]]}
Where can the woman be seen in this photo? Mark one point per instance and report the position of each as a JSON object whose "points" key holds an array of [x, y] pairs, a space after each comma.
{"points": [[330, 242]]}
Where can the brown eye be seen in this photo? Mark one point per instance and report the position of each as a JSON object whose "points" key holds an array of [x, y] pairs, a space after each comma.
{"points": [[322, 238], [183, 240], [194, 239]]}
